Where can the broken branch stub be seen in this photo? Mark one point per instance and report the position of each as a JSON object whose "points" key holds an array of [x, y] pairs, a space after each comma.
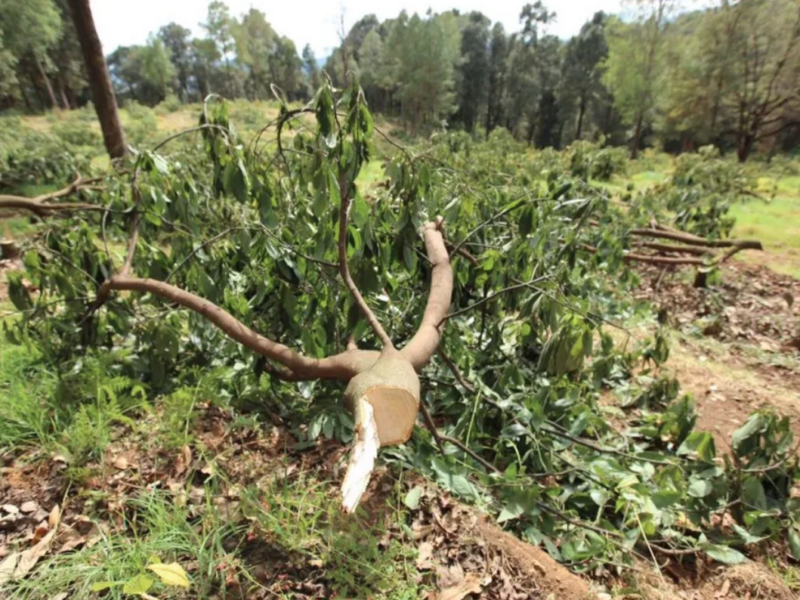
{"points": [[391, 387]]}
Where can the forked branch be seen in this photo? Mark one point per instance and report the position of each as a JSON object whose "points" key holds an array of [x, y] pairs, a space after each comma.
{"points": [[421, 347]]}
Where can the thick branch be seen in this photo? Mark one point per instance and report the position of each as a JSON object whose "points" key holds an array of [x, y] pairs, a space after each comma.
{"points": [[342, 366], [424, 343], [694, 250], [696, 240], [39, 204]]}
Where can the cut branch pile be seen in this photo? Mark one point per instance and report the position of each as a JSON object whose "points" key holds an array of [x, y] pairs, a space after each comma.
{"points": [[691, 249]]}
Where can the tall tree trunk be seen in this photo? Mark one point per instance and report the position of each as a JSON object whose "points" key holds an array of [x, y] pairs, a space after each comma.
{"points": [[581, 112], [36, 89], [637, 137], [47, 85], [64, 99], [99, 80], [25, 98], [744, 146]]}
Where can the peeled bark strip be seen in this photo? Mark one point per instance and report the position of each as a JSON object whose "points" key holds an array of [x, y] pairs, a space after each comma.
{"points": [[362, 458]]}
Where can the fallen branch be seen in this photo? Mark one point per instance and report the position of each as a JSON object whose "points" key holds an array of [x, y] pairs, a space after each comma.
{"points": [[695, 240], [40, 206]]}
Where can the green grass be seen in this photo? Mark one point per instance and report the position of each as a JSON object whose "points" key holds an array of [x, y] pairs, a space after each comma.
{"points": [[776, 223], [371, 174], [157, 526], [28, 415], [295, 526]]}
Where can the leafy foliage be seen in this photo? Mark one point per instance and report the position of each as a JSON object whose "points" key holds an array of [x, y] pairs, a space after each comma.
{"points": [[252, 226]]}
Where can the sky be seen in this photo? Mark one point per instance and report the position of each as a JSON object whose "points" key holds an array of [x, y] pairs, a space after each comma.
{"points": [[316, 22]]}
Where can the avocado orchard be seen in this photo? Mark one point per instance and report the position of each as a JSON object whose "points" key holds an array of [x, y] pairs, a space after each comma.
{"points": [[460, 286]]}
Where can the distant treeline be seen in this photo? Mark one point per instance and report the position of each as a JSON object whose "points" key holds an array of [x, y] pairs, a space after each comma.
{"points": [[727, 75]]}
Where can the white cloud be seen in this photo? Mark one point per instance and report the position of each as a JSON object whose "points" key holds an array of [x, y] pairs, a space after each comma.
{"points": [[315, 22]]}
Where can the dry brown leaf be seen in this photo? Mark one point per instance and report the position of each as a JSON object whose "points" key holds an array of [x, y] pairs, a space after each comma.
{"points": [[425, 555], [40, 532], [421, 531], [54, 518], [183, 460], [19, 564], [121, 462], [471, 584]]}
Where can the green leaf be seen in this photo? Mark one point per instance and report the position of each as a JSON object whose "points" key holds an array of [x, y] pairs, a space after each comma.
{"points": [[138, 585], [700, 488], [724, 554], [793, 537], [413, 497], [666, 498], [700, 444], [171, 574], [359, 213], [510, 511], [747, 537], [753, 494], [101, 586], [754, 425], [463, 487]]}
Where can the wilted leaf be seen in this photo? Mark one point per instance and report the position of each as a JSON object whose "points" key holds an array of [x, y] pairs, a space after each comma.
{"points": [[725, 554], [794, 543], [138, 585], [171, 574], [413, 497]]}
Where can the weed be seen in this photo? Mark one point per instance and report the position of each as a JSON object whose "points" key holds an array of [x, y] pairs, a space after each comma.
{"points": [[156, 526], [303, 518], [28, 415]]}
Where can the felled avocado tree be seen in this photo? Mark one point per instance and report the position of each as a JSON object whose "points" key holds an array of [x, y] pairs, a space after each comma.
{"points": [[271, 263]]}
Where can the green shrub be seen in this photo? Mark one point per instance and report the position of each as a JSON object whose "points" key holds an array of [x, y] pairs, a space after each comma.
{"points": [[77, 132], [36, 158], [170, 104], [140, 123]]}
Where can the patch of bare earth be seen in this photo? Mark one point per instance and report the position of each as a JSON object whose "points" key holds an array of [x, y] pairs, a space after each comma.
{"points": [[747, 354]]}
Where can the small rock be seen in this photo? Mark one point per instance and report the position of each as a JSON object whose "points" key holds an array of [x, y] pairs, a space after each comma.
{"points": [[10, 509], [29, 507]]}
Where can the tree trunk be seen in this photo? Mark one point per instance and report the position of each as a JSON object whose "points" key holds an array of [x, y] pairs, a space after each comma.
{"points": [[25, 98], [744, 147], [99, 80], [581, 111], [64, 99], [637, 137], [36, 89], [50, 93]]}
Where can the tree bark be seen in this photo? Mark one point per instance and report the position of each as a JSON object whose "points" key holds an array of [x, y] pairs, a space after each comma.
{"points": [[50, 93], [581, 111], [744, 147], [99, 79], [25, 98], [637, 137]]}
